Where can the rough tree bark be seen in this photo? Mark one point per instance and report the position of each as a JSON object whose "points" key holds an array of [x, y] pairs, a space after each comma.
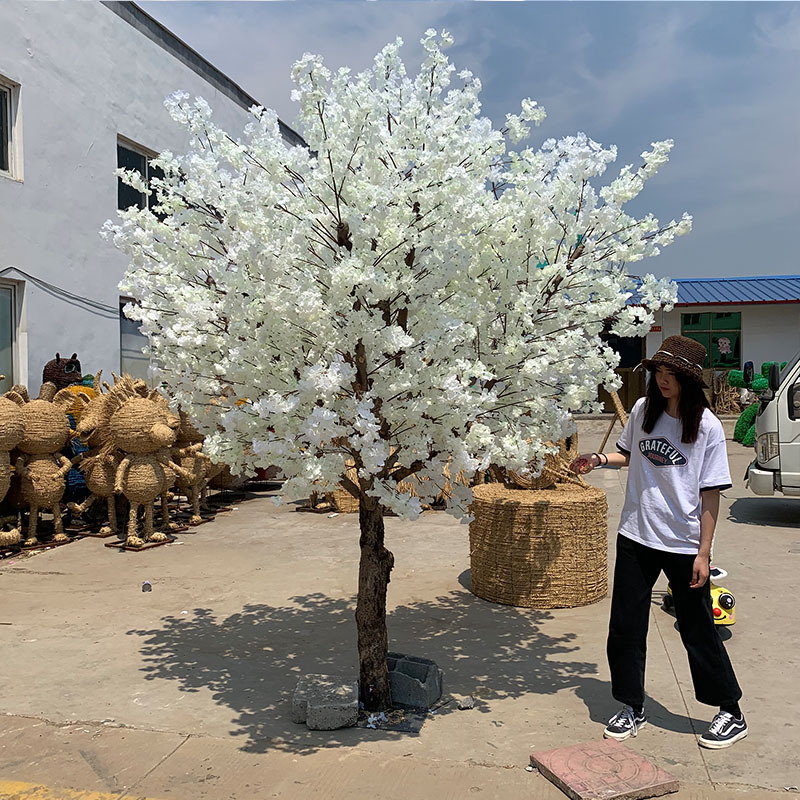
{"points": [[374, 570]]}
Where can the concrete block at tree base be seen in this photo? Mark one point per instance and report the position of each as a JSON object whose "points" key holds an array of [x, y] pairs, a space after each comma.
{"points": [[415, 682], [300, 698], [338, 710], [325, 702]]}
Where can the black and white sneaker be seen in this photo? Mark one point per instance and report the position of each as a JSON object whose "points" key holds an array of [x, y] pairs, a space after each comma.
{"points": [[624, 723], [724, 730]]}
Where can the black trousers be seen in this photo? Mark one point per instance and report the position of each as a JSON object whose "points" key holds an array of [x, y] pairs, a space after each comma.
{"points": [[636, 571]]}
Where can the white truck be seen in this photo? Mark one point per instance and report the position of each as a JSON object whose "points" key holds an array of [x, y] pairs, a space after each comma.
{"points": [[776, 467]]}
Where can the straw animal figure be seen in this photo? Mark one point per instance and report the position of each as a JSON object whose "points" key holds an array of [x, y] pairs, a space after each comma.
{"points": [[100, 466], [143, 390], [13, 498], [143, 429], [188, 452], [41, 467], [171, 475], [62, 372], [213, 471], [12, 432]]}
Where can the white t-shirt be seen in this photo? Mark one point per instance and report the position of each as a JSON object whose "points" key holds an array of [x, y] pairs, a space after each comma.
{"points": [[662, 499]]}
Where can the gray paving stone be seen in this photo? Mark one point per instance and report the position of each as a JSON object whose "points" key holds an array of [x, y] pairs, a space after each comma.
{"points": [[325, 702]]}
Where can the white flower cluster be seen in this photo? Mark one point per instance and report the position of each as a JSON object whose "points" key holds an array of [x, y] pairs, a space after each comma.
{"points": [[408, 295]]}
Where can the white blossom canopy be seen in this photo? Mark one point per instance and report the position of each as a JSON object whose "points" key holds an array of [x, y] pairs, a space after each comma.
{"points": [[407, 294]]}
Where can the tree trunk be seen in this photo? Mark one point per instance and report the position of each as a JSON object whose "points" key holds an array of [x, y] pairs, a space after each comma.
{"points": [[373, 579]]}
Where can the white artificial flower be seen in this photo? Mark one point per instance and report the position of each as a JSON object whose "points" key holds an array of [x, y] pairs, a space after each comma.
{"points": [[405, 293], [532, 111]]}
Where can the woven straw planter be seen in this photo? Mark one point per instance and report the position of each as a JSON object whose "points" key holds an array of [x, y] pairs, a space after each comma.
{"points": [[449, 482], [554, 467], [222, 477], [539, 549], [344, 502]]}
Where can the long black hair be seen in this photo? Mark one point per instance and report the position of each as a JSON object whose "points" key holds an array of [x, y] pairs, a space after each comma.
{"points": [[691, 405]]}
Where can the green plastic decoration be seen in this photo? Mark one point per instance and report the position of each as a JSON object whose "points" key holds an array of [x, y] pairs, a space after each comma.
{"points": [[746, 420], [745, 430], [767, 364], [736, 379]]}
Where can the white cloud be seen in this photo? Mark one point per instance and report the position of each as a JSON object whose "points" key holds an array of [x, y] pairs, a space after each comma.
{"points": [[719, 78], [779, 29], [605, 81]]}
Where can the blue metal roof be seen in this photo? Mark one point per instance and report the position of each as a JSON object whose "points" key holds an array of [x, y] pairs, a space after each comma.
{"points": [[760, 289]]}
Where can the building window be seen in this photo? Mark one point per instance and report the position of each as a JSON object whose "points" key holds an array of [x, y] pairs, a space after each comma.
{"points": [[5, 130], [133, 346], [8, 337], [10, 146], [720, 333], [130, 156]]}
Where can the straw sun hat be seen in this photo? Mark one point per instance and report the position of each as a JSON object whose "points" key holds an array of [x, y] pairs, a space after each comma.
{"points": [[680, 354]]}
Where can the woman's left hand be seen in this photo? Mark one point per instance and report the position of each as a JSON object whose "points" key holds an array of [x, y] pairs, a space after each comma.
{"points": [[700, 572]]}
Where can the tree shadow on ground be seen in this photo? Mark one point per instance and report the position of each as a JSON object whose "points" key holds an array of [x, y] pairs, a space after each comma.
{"points": [[773, 511], [250, 661]]}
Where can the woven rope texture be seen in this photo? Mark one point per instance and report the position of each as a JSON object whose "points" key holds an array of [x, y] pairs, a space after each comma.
{"points": [[539, 549]]}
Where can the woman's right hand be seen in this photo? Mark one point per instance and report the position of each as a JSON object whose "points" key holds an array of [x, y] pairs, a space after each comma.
{"points": [[584, 463]]}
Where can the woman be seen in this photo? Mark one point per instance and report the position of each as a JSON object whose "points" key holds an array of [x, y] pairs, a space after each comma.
{"points": [[675, 448]]}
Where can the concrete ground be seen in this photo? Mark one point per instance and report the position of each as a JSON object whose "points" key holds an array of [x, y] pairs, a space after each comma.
{"points": [[184, 692]]}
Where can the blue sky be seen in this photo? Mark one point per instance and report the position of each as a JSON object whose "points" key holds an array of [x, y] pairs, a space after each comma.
{"points": [[721, 79]]}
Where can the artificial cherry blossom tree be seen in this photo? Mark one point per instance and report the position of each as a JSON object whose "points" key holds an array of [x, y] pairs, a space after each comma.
{"points": [[408, 295]]}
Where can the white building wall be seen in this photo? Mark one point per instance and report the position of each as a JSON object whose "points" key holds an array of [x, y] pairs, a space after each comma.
{"points": [[770, 331], [86, 76]]}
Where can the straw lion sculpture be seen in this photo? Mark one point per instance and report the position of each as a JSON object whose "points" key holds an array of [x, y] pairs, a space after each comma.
{"points": [[41, 467], [12, 432], [100, 466], [188, 451], [142, 429]]}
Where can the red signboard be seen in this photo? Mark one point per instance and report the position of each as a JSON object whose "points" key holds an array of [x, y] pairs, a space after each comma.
{"points": [[655, 329]]}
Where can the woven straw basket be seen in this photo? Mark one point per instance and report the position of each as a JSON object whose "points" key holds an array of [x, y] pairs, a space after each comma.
{"points": [[345, 503], [554, 467], [539, 549], [342, 500], [461, 478]]}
